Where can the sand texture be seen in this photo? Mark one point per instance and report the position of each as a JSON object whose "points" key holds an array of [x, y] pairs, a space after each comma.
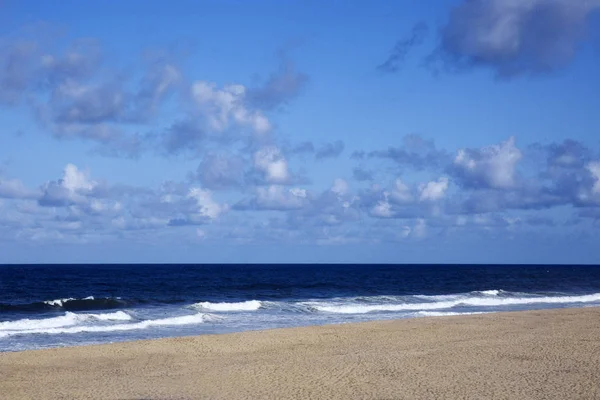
{"points": [[552, 354]]}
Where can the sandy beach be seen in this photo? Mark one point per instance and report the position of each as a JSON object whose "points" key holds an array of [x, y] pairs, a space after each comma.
{"points": [[551, 354]]}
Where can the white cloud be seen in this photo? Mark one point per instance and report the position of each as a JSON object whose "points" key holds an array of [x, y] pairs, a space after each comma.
{"points": [[227, 106], [383, 209], [401, 192], [207, 207], [277, 197], [75, 180], [340, 187], [493, 166], [73, 188], [594, 169], [13, 189], [302, 193], [272, 164], [403, 201], [434, 190]]}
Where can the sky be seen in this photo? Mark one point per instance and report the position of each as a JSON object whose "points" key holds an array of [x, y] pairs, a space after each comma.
{"points": [[454, 131]]}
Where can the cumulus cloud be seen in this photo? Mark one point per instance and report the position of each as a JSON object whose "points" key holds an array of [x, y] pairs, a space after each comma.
{"points": [[588, 189], [76, 197], [488, 167], [404, 201], [75, 180], [400, 192], [207, 207], [514, 37], [197, 208], [336, 206], [73, 188], [275, 197], [383, 209], [401, 49], [273, 165], [484, 200], [75, 93], [434, 190], [340, 187], [226, 107], [594, 169]]}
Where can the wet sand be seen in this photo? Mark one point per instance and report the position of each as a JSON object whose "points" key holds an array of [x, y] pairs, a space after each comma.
{"points": [[551, 354]]}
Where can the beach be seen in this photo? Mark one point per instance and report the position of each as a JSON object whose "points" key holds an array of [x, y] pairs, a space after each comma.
{"points": [[547, 354]]}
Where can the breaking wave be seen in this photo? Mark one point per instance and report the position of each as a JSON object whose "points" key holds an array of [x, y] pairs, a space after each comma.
{"points": [[250, 305], [68, 304], [427, 305], [77, 323], [68, 319], [490, 299]]}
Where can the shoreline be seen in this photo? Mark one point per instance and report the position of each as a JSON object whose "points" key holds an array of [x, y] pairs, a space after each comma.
{"points": [[552, 353]]}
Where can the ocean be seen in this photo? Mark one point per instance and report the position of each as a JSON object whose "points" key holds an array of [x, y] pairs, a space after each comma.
{"points": [[44, 306]]}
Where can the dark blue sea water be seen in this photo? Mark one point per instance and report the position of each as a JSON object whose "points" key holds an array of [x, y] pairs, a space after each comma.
{"points": [[63, 305]]}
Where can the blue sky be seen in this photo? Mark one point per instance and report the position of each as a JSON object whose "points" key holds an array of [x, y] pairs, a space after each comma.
{"points": [[300, 131]]}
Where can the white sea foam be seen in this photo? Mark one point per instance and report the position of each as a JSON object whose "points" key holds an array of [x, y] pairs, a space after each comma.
{"points": [[339, 307], [68, 324], [61, 302], [251, 305], [491, 292], [115, 316], [439, 297], [456, 296], [58, 302], [68, 319]]}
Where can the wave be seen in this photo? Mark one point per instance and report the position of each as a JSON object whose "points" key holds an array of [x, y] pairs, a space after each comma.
{"points": [[409, 303], [250, 305], [71, 323], [341, 306], [493, 292], [68, 319], [68, 304]]}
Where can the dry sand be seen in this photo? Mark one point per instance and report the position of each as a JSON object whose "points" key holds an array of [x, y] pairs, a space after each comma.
{"points": [[551, 354]]}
